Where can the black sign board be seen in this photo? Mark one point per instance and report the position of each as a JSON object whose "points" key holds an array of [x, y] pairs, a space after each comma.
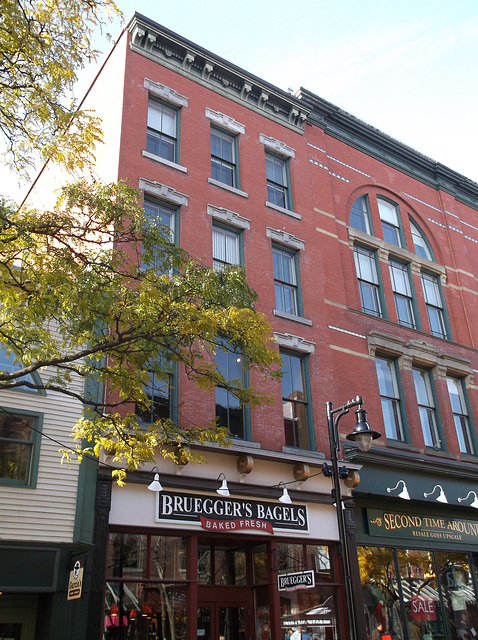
{"points": [[294, 581], [217, 513]]}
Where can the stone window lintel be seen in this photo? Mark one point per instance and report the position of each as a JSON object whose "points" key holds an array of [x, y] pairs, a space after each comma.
{"points": [[285, 238], [295, 343], [229, 217], [163, 192], [277, 146], [165, 93], [226, 122]]}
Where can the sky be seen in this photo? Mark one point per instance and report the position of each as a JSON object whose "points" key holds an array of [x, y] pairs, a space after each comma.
{"points": [[408, 68]]}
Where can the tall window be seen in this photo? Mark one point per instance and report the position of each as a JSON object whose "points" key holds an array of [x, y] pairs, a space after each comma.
{"points": [[230, 414], [158, 392], [223, 157], [359, 215], [426, 407], [225, 247], [277, 181], [162, 216], [294, 401], [390, 397], [19, 450], [162, 130], [402, 293], [433, 300], [285, 280], [460, 415], [390, 222], [419, 242], [366, 268]]}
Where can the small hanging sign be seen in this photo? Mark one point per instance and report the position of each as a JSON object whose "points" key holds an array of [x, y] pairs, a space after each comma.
{"points": [[75, 581]]}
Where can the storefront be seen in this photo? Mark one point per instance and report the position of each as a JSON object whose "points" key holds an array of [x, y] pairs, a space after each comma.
{"points": [[417, 555], [187, 564]]}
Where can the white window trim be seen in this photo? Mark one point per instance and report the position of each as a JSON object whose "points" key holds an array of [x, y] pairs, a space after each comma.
{"points": [[165, 93], [290, 316], [286, 239], [225, 122], [163, 192], [226, 187], [228, 217], [276, 146], [168, 163], [294, 343], [287, 212]]}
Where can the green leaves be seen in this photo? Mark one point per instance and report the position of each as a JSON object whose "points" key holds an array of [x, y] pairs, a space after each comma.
{"points": [[81, 302], [42, 47]]}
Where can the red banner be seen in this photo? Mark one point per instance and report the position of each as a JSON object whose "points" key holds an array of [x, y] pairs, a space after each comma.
{"points": [[423, 608], [236, 525]]}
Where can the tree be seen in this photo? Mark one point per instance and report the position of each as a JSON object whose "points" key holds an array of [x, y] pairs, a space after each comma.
{"points": [[118, 306], [43, 45], [91, 289]]}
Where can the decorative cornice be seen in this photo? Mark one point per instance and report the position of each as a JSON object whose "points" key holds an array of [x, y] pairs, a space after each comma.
{"points": [[165, 93], [284, 237], [226, 122], [277, 146], [229, 217], [358, 134], [174, 52], [296, 343], [163, 192]]}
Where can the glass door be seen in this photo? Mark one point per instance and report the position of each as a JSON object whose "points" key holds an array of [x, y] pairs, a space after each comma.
{"points": [[223, 621]]}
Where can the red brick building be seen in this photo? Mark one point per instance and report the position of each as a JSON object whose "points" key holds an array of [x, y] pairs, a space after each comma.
{"points": [[363, 253]]}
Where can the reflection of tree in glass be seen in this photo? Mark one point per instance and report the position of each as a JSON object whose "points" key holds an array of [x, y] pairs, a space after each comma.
{"points": [[377, 564]]}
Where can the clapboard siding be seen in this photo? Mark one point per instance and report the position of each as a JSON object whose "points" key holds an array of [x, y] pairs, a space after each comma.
{"points": [[46, 512]]}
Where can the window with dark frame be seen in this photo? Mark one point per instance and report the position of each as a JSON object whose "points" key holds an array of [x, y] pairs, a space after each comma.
{"points": [[359, 215], [277, 181], [390, 221], [426, 408], [161, 137], [460, 415], [295, 401], [390, 398], [229, 412], [402, 292], [18, 435], [433, 301], [223, 157], [285, 280], [225, 246], [366, 268]]}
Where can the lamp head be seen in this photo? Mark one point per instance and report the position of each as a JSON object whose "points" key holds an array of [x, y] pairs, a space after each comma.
{"points": [[363, 434], [285, 497], [155, 485], [223, 490]]}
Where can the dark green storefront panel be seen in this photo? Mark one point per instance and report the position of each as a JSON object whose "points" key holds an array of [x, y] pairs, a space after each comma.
{"points": [[28, 568]]}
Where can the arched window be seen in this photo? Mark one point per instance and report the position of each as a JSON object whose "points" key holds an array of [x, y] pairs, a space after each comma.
{"points": [[420, 242]]}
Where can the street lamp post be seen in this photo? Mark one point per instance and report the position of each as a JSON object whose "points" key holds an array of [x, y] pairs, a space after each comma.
{"points": [[362, 435]]}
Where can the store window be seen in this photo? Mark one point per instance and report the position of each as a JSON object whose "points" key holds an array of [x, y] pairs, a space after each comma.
{"points": [[307, 612], [144, 596], [418, 594]]}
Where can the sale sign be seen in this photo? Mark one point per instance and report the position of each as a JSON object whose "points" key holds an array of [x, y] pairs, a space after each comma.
{"points": [[423, 608]]}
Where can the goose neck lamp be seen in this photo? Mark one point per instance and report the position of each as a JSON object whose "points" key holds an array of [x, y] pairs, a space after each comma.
{"points": [[362, 435]]}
